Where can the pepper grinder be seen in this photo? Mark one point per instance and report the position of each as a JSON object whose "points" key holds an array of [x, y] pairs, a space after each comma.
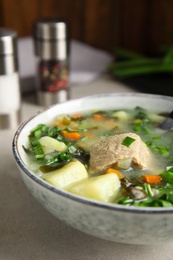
{"points": [[51, 42], [9, 80]]}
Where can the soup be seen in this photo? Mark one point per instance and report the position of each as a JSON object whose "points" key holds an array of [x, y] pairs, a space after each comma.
{"points": [[112, 156]]}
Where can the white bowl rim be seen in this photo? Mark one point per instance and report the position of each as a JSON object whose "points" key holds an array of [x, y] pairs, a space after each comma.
{"points": [[94, 203]]}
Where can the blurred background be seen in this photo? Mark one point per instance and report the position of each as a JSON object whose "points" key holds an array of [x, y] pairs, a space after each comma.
{"points": [[142, 26]]}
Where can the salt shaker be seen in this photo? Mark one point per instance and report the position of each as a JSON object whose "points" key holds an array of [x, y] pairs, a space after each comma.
{"points": [[51, 42], [9, 80]]}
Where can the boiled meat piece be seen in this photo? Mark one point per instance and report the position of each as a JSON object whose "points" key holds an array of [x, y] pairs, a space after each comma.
{"points": [[109, 151]]}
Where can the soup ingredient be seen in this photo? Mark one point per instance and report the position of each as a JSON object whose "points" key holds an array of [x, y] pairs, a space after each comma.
{"points": [[118, 173], [50, 144], [151, 179], [102, 188], [168, 175], [121, 115], [136, 192], [128, 141], [98, 116], [125, 164], [110, 151], [67, 175], [71, 135]]}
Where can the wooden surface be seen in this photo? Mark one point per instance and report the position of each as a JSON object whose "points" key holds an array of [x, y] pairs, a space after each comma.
{"points": [[140, 25]]}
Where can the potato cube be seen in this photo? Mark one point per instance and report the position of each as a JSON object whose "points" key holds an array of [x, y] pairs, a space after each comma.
{"points": [[68, 174], [50, 144], [103, 188]]}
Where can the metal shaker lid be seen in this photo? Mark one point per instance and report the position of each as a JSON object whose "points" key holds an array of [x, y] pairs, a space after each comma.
{"points": [[51, 29], [51, 37], [8, 51], [8, 41]]}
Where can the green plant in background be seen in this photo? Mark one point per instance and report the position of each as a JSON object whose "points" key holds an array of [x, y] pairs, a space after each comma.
{"points": [[135, 64]]}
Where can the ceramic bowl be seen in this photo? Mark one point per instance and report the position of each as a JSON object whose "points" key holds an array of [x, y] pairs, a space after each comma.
{"points": [[123, 224]]}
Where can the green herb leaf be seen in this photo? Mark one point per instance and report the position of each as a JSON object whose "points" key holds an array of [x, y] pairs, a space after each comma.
{"points": [[128, 141], [167, 176], [36, 147]]}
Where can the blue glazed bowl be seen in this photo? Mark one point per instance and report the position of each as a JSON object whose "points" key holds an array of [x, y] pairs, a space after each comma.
{"points": [[123, 224]]}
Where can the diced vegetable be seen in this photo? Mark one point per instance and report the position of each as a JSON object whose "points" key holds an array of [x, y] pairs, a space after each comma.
{"points": [[77, 115], [97, 116], [148, 189], [103, 188], [71, 135], [49, 144], [136, 193], [168, 175], [118, 173], [67, 175], [152, 179], [125, 164], [156, 118], [121, 115], [128, 141], [36, 147]]}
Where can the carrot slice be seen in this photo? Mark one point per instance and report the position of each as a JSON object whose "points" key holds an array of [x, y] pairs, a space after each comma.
{"points": [[152, 179], [98, 116], [118, 173], [71, 135], [77, 115]]}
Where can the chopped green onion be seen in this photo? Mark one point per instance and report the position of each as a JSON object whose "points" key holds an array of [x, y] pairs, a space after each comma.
{"points": [[167, 176], [138, 127], [128, 141], [163, 150], [170, 198], [54, 132], [64, 157], [164, 203], [72, 149], [148, 189], [39, 156], [157, 137], [150, 144], [125, 201], [36, 147]]}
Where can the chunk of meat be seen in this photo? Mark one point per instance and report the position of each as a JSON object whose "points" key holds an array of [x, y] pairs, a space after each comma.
{"points": [[109, 151]]}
